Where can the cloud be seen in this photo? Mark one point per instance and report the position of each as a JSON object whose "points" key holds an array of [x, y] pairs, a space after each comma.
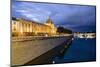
{"points": [[33, 13], [67, 15], [22, 11]]}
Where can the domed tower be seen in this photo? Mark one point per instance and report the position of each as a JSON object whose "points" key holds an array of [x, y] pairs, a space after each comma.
{"points": [[50, 23]]}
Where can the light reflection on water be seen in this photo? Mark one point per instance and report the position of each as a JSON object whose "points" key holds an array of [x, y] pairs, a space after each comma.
{"points": [[81, 49]]}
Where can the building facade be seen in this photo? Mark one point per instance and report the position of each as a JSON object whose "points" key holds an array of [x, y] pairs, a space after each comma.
{"points": [[23, 27]]}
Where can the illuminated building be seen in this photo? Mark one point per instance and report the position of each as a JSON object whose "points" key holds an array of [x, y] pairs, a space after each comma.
{"points": [[22, 27]]}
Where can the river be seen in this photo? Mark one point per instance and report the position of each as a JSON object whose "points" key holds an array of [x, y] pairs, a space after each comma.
{"points": [[80, 50]]}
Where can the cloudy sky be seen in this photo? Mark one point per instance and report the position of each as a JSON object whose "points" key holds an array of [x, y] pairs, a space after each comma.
{"points": [[78, 18]]}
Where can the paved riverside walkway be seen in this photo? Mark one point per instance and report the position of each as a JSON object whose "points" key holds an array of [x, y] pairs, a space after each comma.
{"points": [[24, 51]]}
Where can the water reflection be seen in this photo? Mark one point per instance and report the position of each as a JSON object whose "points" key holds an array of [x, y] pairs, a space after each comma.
{"points": [[79, 50]]}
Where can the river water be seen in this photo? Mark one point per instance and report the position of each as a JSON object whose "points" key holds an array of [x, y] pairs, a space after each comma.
{"points": [[80, 50]]}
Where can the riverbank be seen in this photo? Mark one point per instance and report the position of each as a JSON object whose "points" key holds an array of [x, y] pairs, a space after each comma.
{"points": [[26, 51]]}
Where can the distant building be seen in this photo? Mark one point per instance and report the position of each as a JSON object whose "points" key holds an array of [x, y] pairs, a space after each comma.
{"points": [[25, 27], [85, 35]]}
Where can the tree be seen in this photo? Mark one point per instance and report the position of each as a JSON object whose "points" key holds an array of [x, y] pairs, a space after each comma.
{"points": [[61, 29]]}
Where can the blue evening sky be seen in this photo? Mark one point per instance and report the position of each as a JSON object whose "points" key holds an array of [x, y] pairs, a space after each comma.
{"points": [[78, 18]]}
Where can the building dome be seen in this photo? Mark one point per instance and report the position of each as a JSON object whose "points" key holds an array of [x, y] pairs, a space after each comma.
{"points": [[49, 21]]}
